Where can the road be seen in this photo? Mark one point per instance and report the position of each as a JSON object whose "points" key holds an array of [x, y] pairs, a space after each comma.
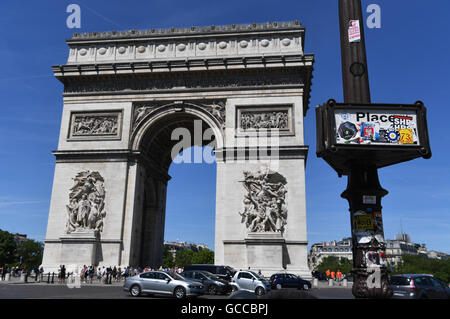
{"points": [[43, 291]]}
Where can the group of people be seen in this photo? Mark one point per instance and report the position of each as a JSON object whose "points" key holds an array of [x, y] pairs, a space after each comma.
{"points": [[108, 275], [17, 271], [336, 276]]}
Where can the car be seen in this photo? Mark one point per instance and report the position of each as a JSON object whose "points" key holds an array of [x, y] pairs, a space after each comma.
{"points": [[224, 272], [418, 286], [286, 280], [251, 281], [213, 284], [162, 283]]}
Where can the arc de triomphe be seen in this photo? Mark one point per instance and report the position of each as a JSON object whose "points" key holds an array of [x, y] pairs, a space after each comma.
{"points": [[126, 93]]}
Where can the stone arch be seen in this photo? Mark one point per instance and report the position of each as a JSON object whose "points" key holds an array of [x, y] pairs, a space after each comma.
{"points": [[161, 112]]}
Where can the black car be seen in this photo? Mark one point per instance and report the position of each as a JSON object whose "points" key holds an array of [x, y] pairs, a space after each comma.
{"points": [[289, 281], [213, 284], [224, 272]]}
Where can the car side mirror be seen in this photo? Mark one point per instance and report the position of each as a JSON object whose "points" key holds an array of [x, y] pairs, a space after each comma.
{"points": [[168, 280]]}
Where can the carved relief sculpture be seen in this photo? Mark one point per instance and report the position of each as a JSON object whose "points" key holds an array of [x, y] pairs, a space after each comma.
{"points": [[266, 120], [86, 208], [217, 109], [86, 125], [265, 207], [140, 112]]}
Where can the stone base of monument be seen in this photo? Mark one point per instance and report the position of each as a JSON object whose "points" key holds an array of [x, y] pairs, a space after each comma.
{"points": [[79, 248], [265, 251]]}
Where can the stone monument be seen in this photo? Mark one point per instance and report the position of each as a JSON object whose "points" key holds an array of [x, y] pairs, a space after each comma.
{"points": [[243, 88]]}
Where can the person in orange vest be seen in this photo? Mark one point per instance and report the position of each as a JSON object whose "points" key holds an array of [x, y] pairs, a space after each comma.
{"points": [[339, 275], [333, 275], [327, 273]]}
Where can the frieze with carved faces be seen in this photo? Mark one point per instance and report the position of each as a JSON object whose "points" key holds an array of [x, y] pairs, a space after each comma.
{"points": [[265, 208], [86, 209]]}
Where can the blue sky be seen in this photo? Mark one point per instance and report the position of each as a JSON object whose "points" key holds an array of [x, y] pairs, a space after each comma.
{"points": [[408, 60]]}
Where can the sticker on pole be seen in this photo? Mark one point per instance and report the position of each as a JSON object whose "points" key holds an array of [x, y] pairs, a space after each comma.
{"points": [[376, 127], [354, 32]]}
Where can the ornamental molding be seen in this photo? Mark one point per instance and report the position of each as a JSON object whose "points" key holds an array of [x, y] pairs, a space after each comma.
{"points": [[216, 108], [238, 40]]}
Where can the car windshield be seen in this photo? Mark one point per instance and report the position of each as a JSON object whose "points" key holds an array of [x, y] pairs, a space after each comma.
{"points": [[210, 275], [400, 281], [256, 275], [175, 276]]}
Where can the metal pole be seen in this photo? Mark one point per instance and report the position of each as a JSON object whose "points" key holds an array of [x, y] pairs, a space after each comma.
{"points": [[364, 191], [355, 77]]}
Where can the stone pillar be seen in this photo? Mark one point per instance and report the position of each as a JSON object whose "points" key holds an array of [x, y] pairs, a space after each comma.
{"points": [[330, 282], [345, 282], [7, 277], [315, 282]]}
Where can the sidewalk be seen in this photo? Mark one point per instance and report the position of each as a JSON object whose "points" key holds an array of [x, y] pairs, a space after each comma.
{"points": [[31, 281]]}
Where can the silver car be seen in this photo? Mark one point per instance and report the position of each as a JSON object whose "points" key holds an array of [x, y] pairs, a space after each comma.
{"points": [[251, 281], [164, 283]]}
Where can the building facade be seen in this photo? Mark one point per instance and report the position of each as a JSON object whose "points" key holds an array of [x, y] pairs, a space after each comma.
{"points": [[339, 249]]}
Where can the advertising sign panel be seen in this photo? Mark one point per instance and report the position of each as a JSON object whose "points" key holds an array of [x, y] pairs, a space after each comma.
{"points": [[376, 127]]}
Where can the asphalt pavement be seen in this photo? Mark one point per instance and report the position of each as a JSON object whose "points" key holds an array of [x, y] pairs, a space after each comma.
{"points": [[114, 291]]}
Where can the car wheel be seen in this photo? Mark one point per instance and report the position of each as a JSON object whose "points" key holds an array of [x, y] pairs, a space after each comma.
{"points": [[212, 290], [179, 293], [305, 287], [259, 291], [135, 291], [234, 289]]}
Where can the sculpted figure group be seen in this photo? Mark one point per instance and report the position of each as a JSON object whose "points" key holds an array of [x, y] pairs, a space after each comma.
{"points": [[86, 203], [265, 202]]}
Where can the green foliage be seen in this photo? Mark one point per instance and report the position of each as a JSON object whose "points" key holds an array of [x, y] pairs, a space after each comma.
{"points": [[10, 252], [8, 248], [204, 256], [31, 252], [334, 264], [168, 260], [423, 265], [186, 257]]}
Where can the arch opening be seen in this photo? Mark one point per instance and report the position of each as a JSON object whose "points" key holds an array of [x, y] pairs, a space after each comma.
{"points": [[163, 139]]}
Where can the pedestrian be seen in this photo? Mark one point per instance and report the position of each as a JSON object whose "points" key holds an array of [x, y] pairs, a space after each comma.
{"points": [[339, 275], [99, 274], [63, 274], [328, 273], [333, 274], [114, 274]]}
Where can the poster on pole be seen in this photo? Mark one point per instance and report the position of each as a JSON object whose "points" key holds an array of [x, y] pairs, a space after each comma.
{"points": [[376, 127], [354, 31]]}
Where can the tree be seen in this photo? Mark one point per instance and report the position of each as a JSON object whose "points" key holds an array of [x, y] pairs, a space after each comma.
{"points": [[334, 264], [203, 256], [31, 252], [423, 265], [184, 257], [8, 248], [168, 260]]}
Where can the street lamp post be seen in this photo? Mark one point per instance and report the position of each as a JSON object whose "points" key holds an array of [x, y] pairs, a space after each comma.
{"points": [[364, 191]]}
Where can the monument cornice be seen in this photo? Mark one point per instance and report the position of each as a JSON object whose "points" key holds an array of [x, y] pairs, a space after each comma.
{"points": [[213, 30], [184, 65]]}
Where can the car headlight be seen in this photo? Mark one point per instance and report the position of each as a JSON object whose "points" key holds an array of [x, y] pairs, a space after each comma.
{"points": [[195, 286]]}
